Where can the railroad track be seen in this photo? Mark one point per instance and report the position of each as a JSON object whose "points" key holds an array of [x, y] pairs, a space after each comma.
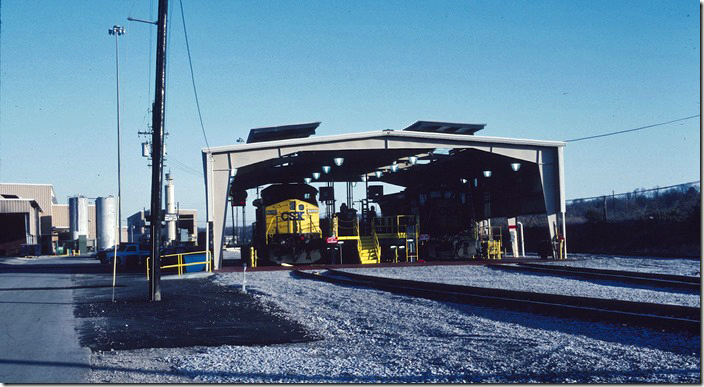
{"points": [[657, 316], [631, 277]]}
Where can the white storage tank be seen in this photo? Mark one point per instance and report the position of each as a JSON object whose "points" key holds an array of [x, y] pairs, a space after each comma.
{"points": [[106, 215], [78, 216], [170, 208]]}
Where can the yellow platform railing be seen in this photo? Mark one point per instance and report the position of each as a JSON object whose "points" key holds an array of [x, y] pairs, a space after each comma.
{"points": [[180, 265]]}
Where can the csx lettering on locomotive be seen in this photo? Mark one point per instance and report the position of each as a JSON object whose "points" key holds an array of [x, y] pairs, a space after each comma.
{"points": [[293, 215]]}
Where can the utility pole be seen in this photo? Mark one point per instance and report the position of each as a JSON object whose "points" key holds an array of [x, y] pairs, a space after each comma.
{"points": [[157, 153], [117, 31]]}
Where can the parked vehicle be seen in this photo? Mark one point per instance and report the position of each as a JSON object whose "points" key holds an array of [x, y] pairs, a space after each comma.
{"points": [[128, 254]]}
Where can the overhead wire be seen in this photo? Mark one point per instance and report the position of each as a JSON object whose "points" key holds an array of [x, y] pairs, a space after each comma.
{"points": [[631, 130], [185, 167], [193, 78]]}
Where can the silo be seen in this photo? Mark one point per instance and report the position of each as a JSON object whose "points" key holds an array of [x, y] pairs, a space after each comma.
{"points": [[105, 215], [78, 216], [170, 208]]}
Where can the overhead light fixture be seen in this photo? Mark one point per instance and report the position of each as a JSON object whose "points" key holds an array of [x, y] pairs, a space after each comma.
{"points": [[316, 175], [307, 180], [378, 173], [464, 181], [326, 168], [487, 173], [515, 166], [413, 160], [354, 184], [364, 177], [338, 161], [476, 182], [394, 167]]}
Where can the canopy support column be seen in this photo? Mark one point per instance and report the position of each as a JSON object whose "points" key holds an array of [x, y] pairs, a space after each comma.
{"points": [[550, 164], [217, 185]]}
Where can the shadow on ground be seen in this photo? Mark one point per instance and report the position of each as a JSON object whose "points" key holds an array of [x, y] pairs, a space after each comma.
{"points": [[192, 312]]}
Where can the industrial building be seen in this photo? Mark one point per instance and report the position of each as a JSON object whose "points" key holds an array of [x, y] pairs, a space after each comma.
{"points": [[185, 230], [492, 177], [180, 224], [31, 215]]}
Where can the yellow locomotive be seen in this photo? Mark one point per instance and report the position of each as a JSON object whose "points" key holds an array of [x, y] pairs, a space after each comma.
{"points": [[287, 227]]}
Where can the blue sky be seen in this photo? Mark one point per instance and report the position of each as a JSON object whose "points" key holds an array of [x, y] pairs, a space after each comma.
{"points": [[552, 70]]}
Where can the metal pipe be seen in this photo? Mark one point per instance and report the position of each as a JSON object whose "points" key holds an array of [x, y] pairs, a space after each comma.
{"points": [[117, 31]]}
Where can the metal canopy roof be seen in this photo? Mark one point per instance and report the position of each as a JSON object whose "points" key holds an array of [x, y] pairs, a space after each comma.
{"points": [[446, 154], [294, 162], [445, 127], [285, 132]]}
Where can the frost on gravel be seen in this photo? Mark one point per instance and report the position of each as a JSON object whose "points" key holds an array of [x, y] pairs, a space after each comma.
{"points": [[374, 336], [678, 266], [482, 276]]}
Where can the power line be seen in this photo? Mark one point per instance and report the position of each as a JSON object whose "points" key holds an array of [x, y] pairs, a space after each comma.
{"points": [[631, 130], [193, 78], [184, 167]]}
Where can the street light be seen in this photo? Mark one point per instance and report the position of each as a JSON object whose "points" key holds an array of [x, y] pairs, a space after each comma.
{"points": [[117, 31]]}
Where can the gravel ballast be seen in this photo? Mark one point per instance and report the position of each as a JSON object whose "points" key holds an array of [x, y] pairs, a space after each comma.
{"points": [[374, 336]]}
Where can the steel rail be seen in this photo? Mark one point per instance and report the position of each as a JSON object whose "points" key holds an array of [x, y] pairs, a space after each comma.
{"points": [[658, 276], [631, 277], [643, 314]]}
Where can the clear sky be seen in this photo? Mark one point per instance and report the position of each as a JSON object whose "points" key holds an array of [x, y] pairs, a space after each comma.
{"points": [[551, 70]]}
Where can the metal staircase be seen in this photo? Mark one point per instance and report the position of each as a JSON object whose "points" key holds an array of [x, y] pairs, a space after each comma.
{"points": [[369, 249]]}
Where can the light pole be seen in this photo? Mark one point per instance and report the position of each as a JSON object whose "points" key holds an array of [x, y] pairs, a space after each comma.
{"points": [[117, 31]]}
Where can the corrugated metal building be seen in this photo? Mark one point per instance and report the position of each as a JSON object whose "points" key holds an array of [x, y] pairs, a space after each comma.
{"points": [[43, 194], [19, 223], [44, 197]]}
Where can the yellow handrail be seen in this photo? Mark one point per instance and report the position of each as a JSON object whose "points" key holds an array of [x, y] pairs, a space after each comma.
{"points": [[377, 247], [180, 265], [270, 223]]}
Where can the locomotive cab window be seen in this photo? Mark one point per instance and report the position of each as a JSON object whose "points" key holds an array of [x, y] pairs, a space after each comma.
{"points": [[300, 207], [292, 206]]}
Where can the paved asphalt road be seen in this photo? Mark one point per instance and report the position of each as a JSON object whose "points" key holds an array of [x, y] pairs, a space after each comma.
{"points": [[38, 343]]}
